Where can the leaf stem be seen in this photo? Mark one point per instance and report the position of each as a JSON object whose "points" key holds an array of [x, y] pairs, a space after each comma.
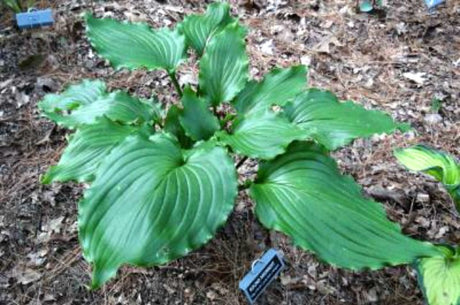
{"points": [[172, 75], [238, 165], [245, 185]]}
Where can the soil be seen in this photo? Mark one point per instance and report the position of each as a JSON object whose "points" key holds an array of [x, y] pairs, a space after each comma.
{"points": [[399, 60]]}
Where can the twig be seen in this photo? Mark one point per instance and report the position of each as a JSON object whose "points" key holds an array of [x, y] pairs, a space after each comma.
{"points": [[238, 165]]}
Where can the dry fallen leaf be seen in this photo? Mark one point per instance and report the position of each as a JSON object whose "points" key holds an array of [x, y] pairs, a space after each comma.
{"points": [[267, 47], [417, 77], [25, 275], [324, 45]]}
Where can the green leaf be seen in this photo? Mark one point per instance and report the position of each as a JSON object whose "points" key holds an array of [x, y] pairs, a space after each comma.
{"points": [[439, 278], [150, 203], [198, 29], [173, 126], [87, 148], [13, 5], [224, 65], [302, 194], [135, 45], [118, 106], [278, 87], [333, 123], [84, 103], [73, 97], [436, 105], [196, 119], [438, 164], [262, 135]]}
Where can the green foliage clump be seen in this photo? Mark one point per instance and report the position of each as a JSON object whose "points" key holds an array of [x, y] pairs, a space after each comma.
{"points": [[436, 105], [438, 164], [14, 5], [439, 277], [18, 6], [162, 181]]}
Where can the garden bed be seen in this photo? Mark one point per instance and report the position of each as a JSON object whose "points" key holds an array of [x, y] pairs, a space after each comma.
{"points": [[399, 61]]}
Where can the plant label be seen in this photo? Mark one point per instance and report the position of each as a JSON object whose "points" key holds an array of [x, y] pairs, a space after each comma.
{"points": [[433, 3], [34, 18], [264, 270]]}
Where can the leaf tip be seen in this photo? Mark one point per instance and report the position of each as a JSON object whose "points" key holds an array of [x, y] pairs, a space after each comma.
{"points": [[86, 15], [45, 179], [101, 275], [49, 176]]}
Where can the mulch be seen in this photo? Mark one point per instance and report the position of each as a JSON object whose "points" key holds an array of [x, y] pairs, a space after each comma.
{"points": [[401, 60]]}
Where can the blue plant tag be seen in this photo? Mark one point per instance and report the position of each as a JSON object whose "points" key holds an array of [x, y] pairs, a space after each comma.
{"points": [[433, 3], [264, 270], [34, 18]]}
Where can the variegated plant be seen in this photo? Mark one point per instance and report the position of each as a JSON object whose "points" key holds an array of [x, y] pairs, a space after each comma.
{"points": [[439, 277], [163, 181], [438, 164]]}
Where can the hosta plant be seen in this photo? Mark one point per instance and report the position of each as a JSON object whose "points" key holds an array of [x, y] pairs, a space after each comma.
{"points": [[438, 164], [162, 181], [438, 276]]}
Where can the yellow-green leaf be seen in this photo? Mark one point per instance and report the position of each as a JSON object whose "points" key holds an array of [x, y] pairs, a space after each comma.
{"points": [[438, 164], [439, 278]]}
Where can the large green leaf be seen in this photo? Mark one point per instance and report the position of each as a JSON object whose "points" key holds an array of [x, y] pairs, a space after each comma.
{"points": [[224, 65], [439, 278], [302, 194], [136, 45], [198, 29], [196, 119], [151, 203], [333, 123], [87, 148], [435, 163], [83, 103], [262, 135], [278, 87]]}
